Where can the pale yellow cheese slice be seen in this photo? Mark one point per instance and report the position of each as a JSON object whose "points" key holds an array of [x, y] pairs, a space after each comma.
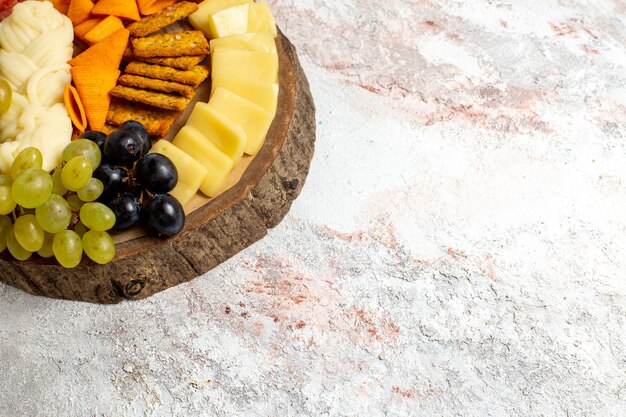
{"points": [[255, 41], [191, 173], [200, 18], [260, 19], [252, 118], [221, 131], [218, 165], [228, 22], [244, 65], [263, 94]]}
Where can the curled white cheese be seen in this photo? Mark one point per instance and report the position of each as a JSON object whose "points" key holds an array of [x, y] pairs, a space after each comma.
{"points": [[36, 41]]}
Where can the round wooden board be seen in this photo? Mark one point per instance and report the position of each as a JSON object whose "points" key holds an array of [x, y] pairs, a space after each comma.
{"points": [[214, 232]]}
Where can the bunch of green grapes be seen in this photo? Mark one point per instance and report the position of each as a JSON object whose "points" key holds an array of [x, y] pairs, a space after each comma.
{"points": [[56, 214]]}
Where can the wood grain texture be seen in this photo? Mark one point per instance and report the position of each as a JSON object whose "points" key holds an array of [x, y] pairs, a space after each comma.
{"points": [[214, 232]]}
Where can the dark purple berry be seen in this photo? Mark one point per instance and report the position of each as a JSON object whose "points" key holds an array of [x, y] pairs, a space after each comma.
{"points": [[156, 173], [164, 214]]}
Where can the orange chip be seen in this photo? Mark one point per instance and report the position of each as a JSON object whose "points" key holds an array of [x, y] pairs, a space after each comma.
{"points": [[78, 11], [81, 30], [147, 7], [106, 27], [106, 53], [124, 9], [93, 85], [61, 5], [74, 108]]}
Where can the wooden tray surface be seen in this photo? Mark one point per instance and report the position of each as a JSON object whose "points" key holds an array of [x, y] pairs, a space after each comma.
{"points": [[256, 198]]}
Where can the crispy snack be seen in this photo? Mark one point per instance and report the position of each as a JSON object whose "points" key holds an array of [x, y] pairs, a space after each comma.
{"points": [[128, 53], [107, 52], [93, 85], [180, 62], [78, 11], [61, 5], [191, 77], [75, 108], [147, 7], [160, 100], [108, 26], [81, 30], [157, 122], [124, 9], [138, 81], [159, 20], [108, 129], [191, 42]]}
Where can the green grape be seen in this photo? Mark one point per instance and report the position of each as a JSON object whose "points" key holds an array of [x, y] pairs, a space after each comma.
{"points": [[91, 191], [80, 229], [7, 202], [6, 94], [83, 147], [76, 173], [27, 158], [28, 232], [97, 216], [75, 202], [57, 184], [54, 214], [46, 249], [99, 246], [15, 249], [68, 248], [5, 226], [32, 187]]}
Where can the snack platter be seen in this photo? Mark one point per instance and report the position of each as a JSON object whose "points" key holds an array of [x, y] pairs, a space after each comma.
{"points": [[256, 195]]}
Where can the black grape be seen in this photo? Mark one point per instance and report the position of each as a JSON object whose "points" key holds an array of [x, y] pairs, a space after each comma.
{"points": [[141, 132], [113, 178], [97, 137], [127, 211], [123, 147], [156, 173], [164, 214]]}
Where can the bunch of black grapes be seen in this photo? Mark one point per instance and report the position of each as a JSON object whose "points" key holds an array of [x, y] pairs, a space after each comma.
{"points": [[137, 183]]}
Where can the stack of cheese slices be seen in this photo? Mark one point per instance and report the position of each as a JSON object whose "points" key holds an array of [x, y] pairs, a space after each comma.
{"points": [[244, 94]]}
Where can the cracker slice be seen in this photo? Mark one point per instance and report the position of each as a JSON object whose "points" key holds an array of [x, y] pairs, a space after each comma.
{"points": [[157, 122], [138, 81], [193, 76], [191, 42], [108, 128], [124, 9], [164, 17], [180, 62], [93, 85], [107, 52], [160, 100]]}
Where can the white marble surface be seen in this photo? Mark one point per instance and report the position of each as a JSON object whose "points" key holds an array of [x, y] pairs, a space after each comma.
{"points": [[459, 248]]}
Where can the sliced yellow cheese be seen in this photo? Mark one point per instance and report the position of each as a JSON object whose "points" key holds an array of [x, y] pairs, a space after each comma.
{"points": [[191, 173], [263, 94], [200, 18], [255, 41], [218, 165], [221, 131], [228, 22], [260, 19], [244, 65], [251, 117]]}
